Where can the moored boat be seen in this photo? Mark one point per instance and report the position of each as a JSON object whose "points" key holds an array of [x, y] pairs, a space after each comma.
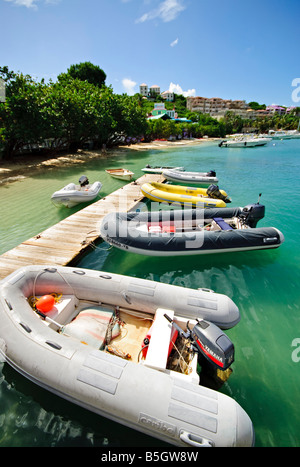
{"points": [[159, 169], [72, 194], [92, 337], [122, 174], [203, 179], [284, 134], [183, 195], [244, 142], [190, 231]]}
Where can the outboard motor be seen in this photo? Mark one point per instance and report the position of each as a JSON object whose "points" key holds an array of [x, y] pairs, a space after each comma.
{"points": [[213, 344], [83, 181], [209, 342], [214, 192], [252, 213], [211, 173]]}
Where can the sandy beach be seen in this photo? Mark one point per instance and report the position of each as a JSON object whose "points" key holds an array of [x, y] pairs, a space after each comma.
{"points": [[24, 166]]}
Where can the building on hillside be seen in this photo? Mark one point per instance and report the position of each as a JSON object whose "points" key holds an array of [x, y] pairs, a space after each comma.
{"points": [[154, 91], [144, 90], [160, 112], [272, 109], [159, 109], [217, 107], [168, 96]]}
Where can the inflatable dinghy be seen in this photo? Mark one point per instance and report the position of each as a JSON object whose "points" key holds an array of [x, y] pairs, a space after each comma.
{"points": [[184, 195], [203, 179], [190, 231], [72, 194], [105, 342], [159, 169]]}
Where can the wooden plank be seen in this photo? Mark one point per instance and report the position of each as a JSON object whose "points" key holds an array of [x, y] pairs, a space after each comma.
{"points": [[64, 242]]}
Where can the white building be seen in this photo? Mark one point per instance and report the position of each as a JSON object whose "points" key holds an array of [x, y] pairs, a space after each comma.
{"points": [[154, 91], [144, 90], [168, 96]]}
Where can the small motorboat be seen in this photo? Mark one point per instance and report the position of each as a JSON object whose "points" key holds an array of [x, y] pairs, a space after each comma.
{"points": [[111, 343], [190, 231], [159, 169], [72, 194], [244, 142], [203, 179], [122, 174], [184, 195]]}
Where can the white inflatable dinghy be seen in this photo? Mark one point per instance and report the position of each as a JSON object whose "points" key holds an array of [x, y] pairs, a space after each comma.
{"points": [[82, 335]]}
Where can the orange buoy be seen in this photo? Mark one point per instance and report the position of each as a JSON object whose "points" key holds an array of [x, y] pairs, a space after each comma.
{"points": [[45, 303]]}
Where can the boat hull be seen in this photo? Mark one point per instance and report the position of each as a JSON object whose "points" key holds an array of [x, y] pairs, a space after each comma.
{"points": [[121, 174], [159, 404], [251, 143]]}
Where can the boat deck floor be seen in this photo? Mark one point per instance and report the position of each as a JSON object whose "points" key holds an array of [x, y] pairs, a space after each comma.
{"points": [[132, 335]]}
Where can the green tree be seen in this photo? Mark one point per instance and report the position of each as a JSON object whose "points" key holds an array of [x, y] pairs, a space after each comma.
{"points": [[21, 119], [256, 106], [85, 71]]}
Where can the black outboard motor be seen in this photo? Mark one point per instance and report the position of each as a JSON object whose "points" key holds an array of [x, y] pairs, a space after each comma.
{"points": [[211, 173], [251, 214], [214, 192], [209, 342], [83, 181]]}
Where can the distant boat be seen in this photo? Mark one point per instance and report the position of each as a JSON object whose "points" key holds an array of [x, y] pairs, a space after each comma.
{"points": [[281, 134], [244, 142], [159, 169], [122, 174], [71, 195], [195, 178]]}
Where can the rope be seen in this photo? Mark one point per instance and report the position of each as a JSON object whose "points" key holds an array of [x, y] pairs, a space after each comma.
{"points": [[115, 351]]}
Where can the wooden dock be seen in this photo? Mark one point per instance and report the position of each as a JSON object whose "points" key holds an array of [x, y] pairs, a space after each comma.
{"points": [[66, 241]]}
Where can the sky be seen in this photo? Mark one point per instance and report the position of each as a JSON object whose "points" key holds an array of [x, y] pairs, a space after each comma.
{"points": [[232, 49]]}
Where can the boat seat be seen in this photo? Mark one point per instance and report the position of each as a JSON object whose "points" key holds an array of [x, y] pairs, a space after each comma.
{"points": [[164, 227], [91, 326], [158, 350], [221, 223]]}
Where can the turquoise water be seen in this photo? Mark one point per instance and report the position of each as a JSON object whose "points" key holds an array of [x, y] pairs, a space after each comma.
{"points": [[264, 285]]}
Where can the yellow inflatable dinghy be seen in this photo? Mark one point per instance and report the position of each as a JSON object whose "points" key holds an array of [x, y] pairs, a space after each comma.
{"points": [[200, 197]]}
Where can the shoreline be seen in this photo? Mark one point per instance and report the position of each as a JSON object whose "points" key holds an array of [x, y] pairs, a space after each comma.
{"points": [[24, 166]]}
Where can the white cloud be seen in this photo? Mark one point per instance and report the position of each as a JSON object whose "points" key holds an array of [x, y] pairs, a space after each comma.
{"points": [[32, 3], [168, 10], [174, 42], [27, 3], [178, 90], [129, 86]]}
